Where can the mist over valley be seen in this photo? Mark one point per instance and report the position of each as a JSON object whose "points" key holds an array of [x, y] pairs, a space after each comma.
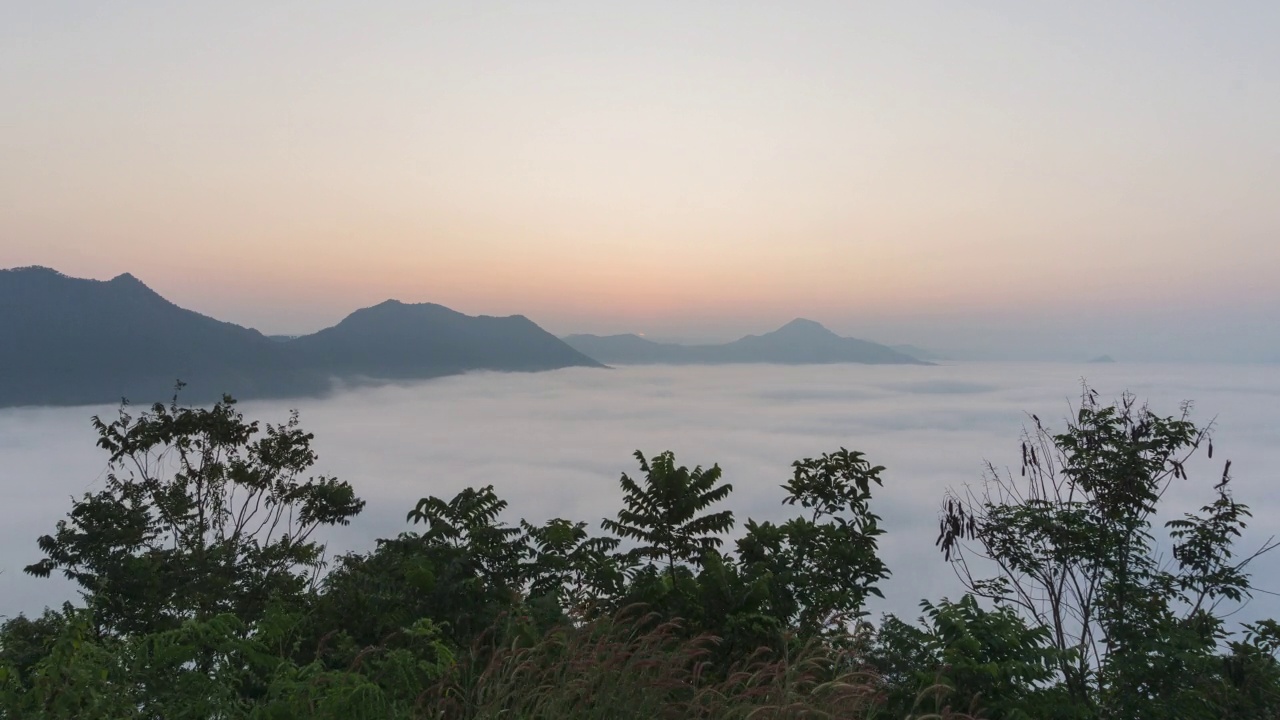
{"points": [[554, 444]]}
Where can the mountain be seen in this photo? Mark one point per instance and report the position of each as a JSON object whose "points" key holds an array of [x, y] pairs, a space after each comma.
{"points": [[66, 340], [1103, 359], [917, 352], [70, 341], [399, 340], [628, 349], [799, 342]]}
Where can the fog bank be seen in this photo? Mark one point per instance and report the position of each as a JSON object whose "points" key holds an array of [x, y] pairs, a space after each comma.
{"points": [[553, 444]]}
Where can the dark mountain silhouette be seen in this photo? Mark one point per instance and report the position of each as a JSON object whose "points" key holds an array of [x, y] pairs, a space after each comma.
{"points": [[398, 340], [67, 340], [70, 341], [1103, 359], [799, 342]]}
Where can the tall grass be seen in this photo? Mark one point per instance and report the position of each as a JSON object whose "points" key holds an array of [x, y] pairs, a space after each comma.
{"points": [[634, 666]]}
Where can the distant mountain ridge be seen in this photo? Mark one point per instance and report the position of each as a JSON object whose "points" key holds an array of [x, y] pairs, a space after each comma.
{"points": [[389, 340], [67, 340], [799, 342], [72, 341], [919, 353]]}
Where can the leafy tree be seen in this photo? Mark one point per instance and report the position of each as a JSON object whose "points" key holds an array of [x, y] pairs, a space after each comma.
{"points": [[1072, 545], [470, 522], [463, 571], [664, 513], [167, 674], [386, 680], [202, 513], [24, 641], [1249, 682], [821, 567], [569, 567], [75, 675], [990, 660]]}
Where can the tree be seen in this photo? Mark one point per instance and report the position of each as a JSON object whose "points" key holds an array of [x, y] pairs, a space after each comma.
{"points": [[988, 660], [470, 522], [463, 570], [1072, 545], [568, 566], [202, 514], [665, 512], [72, 674], [823, 567]]}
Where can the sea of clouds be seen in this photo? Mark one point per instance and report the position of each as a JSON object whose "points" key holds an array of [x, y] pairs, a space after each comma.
{"points": [[554, 444]]}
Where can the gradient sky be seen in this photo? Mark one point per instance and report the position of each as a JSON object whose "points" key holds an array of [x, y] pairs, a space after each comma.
{"points": [[1008, 178]]}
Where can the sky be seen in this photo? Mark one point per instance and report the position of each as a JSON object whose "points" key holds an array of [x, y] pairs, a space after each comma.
{"points": [[554, 444], [987, 178]]}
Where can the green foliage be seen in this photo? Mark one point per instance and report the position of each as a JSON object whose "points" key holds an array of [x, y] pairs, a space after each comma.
{"points": [[567, 566], [1073, 547], [368, 597], [992, 659], [201, 514], [1249, 683], [72, 677], [214, 669], [387, 680], [664, 513], [821, 568], [470, 520], [205, 597], [469, 571]]}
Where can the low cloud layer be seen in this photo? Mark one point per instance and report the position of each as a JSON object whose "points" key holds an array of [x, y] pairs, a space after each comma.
{"points": [[553, 444]]}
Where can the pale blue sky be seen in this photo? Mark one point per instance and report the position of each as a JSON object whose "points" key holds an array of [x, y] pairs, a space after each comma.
{"points": [[1004, 177]]}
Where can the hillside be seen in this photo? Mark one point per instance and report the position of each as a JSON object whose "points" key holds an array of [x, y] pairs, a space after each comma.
{"points": [[67, 340], [919, 353], [799, 342], [399, 340], [71, 341]]}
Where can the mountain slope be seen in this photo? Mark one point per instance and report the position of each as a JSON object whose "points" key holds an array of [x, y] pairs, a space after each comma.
{"points": [[919, 353], [399, 340], [628, 349], [799, 342], [67, 340], [70, 341]]}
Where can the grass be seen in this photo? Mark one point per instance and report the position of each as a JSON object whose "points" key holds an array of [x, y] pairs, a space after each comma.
{"points": [[634, 667]]}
